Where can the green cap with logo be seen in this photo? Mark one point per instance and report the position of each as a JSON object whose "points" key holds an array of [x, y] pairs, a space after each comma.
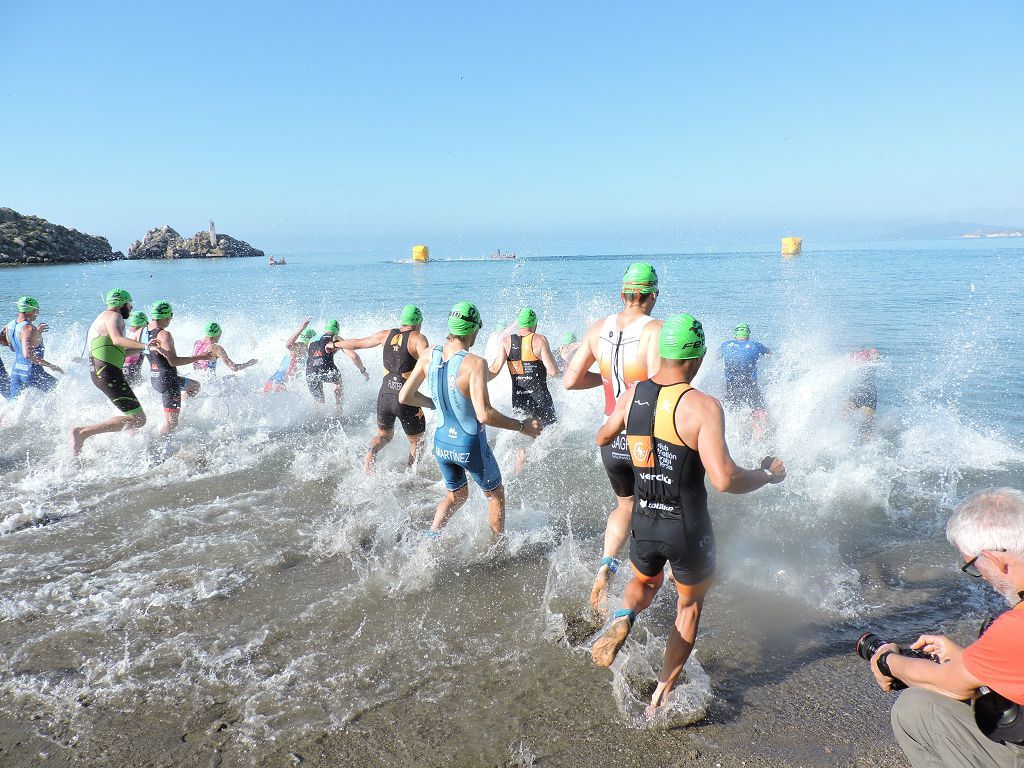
{"points": [[464, 319], [640, 277], [162, 310], [741, 331], [332, 326], [682, 338], [569, 338], [307, 335], [138, 320], [117, 297], [27, 304], [411, 315], [212, 329], [527, 318]]}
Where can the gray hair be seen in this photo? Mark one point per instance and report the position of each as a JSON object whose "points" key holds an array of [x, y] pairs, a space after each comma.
{"points": [[987, 520]]}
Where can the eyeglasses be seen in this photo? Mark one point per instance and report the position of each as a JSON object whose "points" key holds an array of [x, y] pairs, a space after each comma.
{"points": [[970, 567]]}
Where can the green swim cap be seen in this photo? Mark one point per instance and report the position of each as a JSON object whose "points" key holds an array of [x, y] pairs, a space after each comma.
{"points": [[682, 338], [307, 335], [569, 338], [527, 318], [117, 297], [27, 304], [138, 320], [161, 311], [464, 319], [741, 331], [640, 277], [212, 329], [332, 327], [411, 315]]}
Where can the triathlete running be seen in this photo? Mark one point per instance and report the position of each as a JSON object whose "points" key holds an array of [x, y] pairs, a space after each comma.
{"points": [[741, 356], [294, 361], [211, 343], [458, 390], [137, 330], [403, 346], [163, 367], [107, 344], [625, 347], [527, 355], [320, 366], [675, 434], [565, 352], [26, 341]]}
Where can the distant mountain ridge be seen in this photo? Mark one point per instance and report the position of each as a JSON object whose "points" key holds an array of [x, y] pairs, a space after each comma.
{"points": [[954, 229]]}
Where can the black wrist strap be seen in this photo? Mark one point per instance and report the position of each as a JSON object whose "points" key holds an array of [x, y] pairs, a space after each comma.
{"points": [[883, 663]]}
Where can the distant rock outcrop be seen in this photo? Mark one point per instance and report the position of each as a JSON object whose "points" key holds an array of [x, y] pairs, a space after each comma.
{"points": [[165, 243], [32, 240]]}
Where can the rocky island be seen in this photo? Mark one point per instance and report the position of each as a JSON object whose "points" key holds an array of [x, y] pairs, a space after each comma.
{"points": [[33, 240]]}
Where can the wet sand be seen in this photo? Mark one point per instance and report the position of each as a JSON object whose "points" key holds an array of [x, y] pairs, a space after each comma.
{"points": [[787, 692]]}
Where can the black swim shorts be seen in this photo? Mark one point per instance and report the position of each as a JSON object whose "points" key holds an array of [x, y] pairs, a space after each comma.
{"points": [[109, 379], [687, 544], [389, 409], [619, 466]]}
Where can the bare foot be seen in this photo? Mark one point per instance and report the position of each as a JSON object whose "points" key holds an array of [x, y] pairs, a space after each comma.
{"points": [[368, 464], [608, 645], [77, 441], [599, 592], [660, 697]]}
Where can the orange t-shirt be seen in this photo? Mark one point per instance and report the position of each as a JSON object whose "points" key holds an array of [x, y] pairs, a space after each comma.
{"points": [[997, 657]]}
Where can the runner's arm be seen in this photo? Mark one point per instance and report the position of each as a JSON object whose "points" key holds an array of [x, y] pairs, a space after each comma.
{"points": [[485, 412], [723, 472], [115, 332], [295, 336], [222, 355], [616, 421], [499, 361], [30, 350], [367, 342], [546, 357], [3, 337], [578, 374], [653, 333], [351, 355], [410, 393], [166, 348]]}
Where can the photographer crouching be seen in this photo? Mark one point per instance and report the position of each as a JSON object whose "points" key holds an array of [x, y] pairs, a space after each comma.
{"points": [[962, 706]]}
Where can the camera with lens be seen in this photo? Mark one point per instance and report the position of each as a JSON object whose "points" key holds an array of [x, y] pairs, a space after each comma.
{"points": [[868, 645]]}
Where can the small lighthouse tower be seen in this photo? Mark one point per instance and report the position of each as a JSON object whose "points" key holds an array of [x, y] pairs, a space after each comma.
{"points": [[213, 235]]}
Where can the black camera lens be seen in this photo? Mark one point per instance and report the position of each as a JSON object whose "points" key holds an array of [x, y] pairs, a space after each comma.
{"points": [[868, 645]]}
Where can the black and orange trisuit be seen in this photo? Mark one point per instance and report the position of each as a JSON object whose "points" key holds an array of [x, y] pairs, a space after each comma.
{"points": [[398, 364], [529, 380]]}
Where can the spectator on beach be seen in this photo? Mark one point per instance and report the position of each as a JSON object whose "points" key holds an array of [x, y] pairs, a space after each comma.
{"points": [[933, 719]]}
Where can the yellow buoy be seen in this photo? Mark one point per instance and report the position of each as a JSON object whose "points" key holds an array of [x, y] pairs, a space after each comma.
{"points": [[420, 253], [791, 246]]}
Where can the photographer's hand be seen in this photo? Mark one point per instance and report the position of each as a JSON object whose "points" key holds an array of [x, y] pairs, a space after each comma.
{"points": [[944, 649], [885, 683]]}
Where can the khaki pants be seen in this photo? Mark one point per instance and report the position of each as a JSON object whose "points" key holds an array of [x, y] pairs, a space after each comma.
{"points": [[935, 731]]}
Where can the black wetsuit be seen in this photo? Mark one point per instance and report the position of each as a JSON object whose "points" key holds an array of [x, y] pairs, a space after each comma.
{"points": [[320, 367], [670, 513], [529, 380], [164, 377], [398, 363]]}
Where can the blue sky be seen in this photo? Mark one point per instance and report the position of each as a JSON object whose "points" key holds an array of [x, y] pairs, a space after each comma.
{"points": [[539, 126]]}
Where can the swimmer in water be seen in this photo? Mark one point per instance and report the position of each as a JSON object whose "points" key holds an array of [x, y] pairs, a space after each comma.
{"points": [[107, 344], [138, 330], [211, 343], [26, 341], [320, 366], [563, 355], [458, 390], [625, 347], [403, 346], [294, 360], [163, 367], [741, 356], [527, 355], [863, 398], [675, 434]]}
